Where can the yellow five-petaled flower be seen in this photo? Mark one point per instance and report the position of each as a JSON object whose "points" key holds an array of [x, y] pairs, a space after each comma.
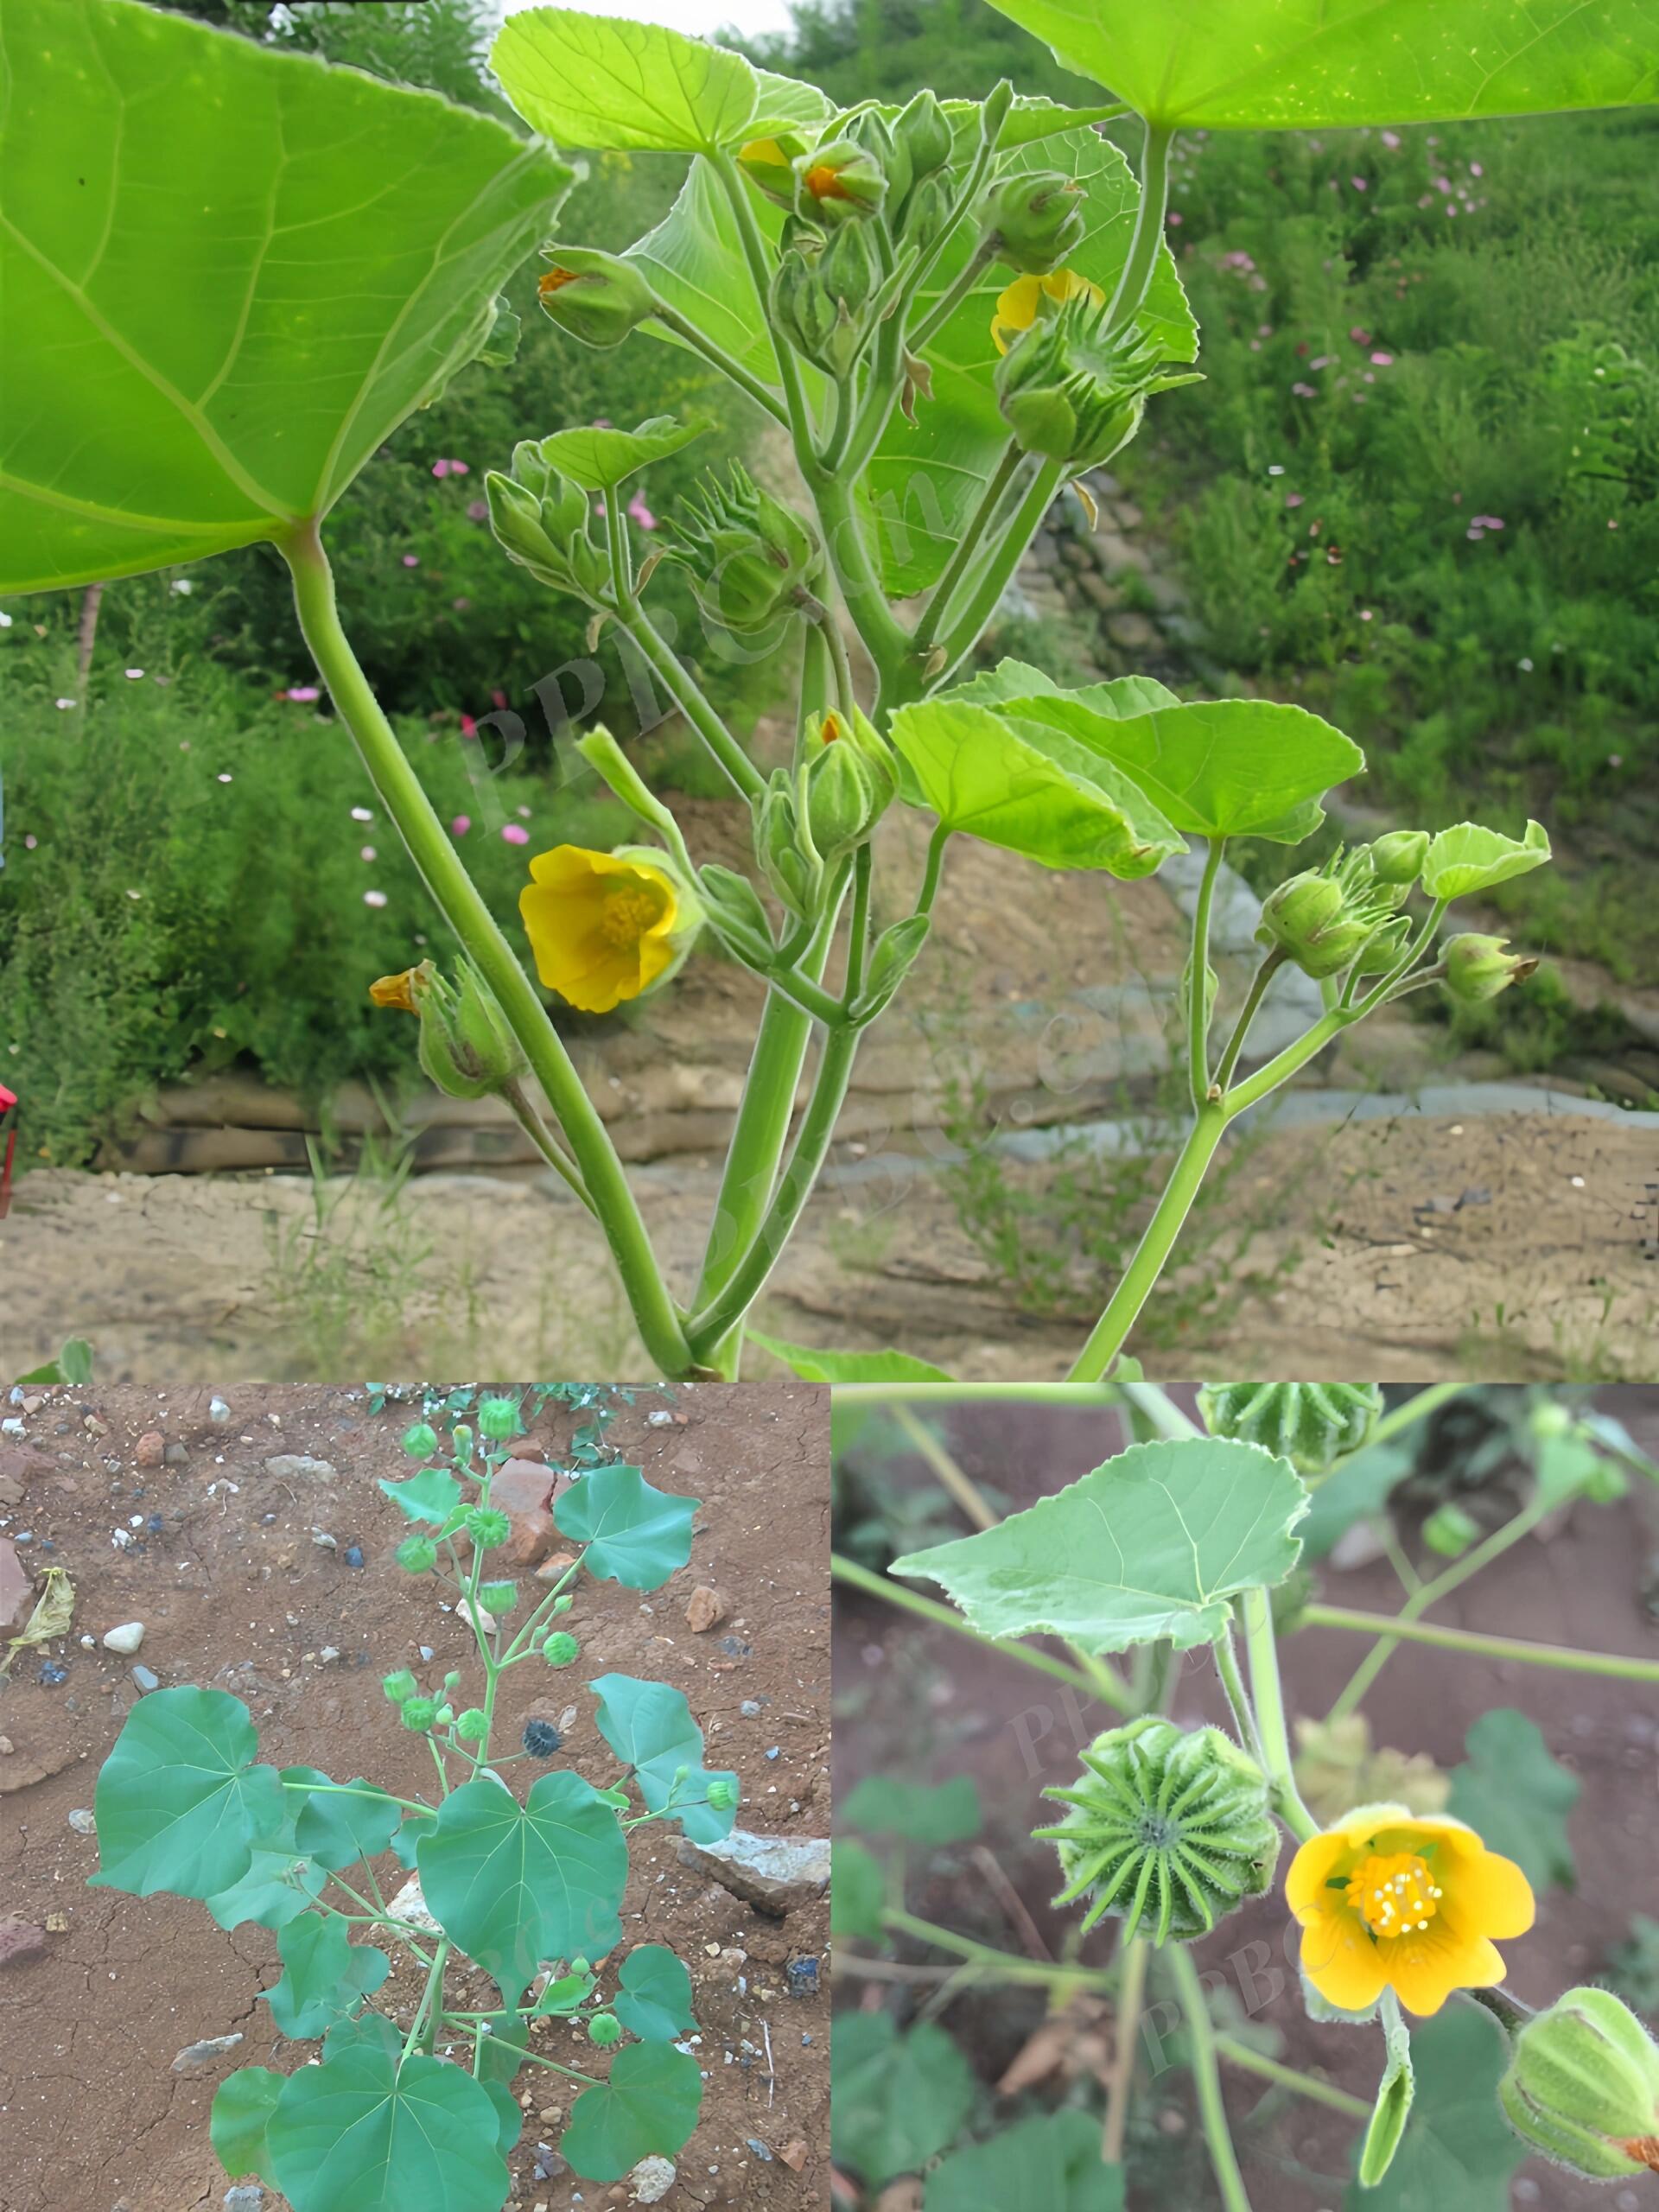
{"points": [[1017, 306], [1391, 1901], [602, 925]]}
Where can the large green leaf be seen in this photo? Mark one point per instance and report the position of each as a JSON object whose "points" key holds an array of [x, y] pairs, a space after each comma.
{"points": [[649, 1726], [229, 274], [654, 2000], [593, 80], [1028, 788], [601, 459], [815, 1366], [1216, 767], [1456, 2150], [432, 1496], [337, 1829], [926, 477], [179, 1802], [1466, 859], [1152, 1545], [512, 1885], [326, 1976], [1050, 2162], [634, 1535], [897, 2100], [921, 1812], [277, 1887], [243, 2104], [1517, 1796], [1270, 65], [650, 2104], [360, 2133], [695, 261]]}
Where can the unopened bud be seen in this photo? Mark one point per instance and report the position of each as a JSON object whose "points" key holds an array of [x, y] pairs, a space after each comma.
{"points": [[850, 781], [923, 131], [1398, 857], [769, 164], [421, 1441], [839, 182], [597, 297], [1033, 220], [1479, 967], [400, 1686], [1583, 2086]]}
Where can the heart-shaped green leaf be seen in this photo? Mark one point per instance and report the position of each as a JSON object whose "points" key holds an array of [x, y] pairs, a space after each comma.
{"points": [[815, 1366], [326, 1976], [504, 2047], [858, 1891], [431, 1496], [1050, 2162], [1018, 679], [1517, 1796], [1285, 64], [243, 2104], [179, 1803], [921, 1812], [897, 2100], [336, 1829], [785, 104], [512, 1885], [649, 1726], [1152, 1545], [654, 2000], [277, 1887], [595, 81], [229, 274], [1030, 789], [634, 1535], [600, 460], [407, 1841], [367, 2031], [927, 477], [360, 2133], [650, 2104], [1466, 858], [509, 2120], [1214, 768]]}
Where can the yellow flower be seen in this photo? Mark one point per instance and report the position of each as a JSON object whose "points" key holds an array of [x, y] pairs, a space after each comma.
{"points": [[399, 990], [605, 926], [1391, 1901], [1016, 308]]}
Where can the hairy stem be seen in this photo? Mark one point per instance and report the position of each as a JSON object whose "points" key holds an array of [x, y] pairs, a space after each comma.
{"points": [[1140, 1278], [1198, 989], [1560, 1656], [1135, 279], [1206, 2075], [967, 546], [1269, 1705]]}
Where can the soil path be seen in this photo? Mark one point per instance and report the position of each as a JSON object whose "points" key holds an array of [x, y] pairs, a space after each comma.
{"points": [[235, 1593]]}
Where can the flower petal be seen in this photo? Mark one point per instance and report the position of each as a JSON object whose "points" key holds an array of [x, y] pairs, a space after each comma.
{"points": [[1341, 1961]]}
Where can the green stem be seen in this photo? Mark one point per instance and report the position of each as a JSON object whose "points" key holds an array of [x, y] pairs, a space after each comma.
{"points": [[858, 935], [542, 1137], [1285, 1064], [1140, 1278], [799, 413], [1132, 1961], [993, 579], [1410, 1410], [1206, 2075], [967, 546], [884, 637], [1247, 1014], [1561, 1656], [952, 297], [1135, 280], [846, 699], [434, 1990], [1198, 992], [683, 688], [1268, 1703], [458, 899], [1003, 1964], [762, 394], [1420, 1600], [622, 553], [927, 1609], [1288, 2078], [748, 1278], [934, 869], [345, 1789], [1237, 1696]]}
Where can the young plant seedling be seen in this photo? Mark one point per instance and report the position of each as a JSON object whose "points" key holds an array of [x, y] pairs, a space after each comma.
{"points": [[951, 312], [419, 2109]]}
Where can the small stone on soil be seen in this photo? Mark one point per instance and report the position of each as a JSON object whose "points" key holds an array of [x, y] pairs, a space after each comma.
{"points": [[145, 1678], [125, 1639], [295, 1467], [774, 1873], [82, 1821], [246, 2196], [652, 2178], [151, 1449], [195, 2056], [20, 1939], [706, 1609], [794, 2154]]}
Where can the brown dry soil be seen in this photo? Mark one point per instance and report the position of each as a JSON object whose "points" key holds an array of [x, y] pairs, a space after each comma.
{"points": [[236, 1593], [1423, 1246], [928, 1704]]}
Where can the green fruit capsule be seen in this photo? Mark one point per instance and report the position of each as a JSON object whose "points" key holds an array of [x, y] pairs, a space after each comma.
{"points": [[417, 1555], [561, 1649], [497, 1418], [421, 1441], [400, 1686], [604, 2029], [1583, 2086], [419, 1714], [487, 1527], [498, 1598], [471, 1726]]}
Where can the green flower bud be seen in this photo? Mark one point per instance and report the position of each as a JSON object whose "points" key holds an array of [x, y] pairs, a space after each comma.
{"points": [[561, 1605], [417, 1555], [597, 297], [795, 879], [1033, 219], [400, 1686], [1479, 967], [820, 294], [923, 133], [1385, 948], [721, 1794], [421, 1441], [1311, 1424], [891, 956], [444, 1715], [838, 182], [604, 2029], [849, 780], [769, 164], [736, 913], [498, 1598], [749, 558], [450, 1680], [1399, 857], [1071, 391], [462, 1437], [497, 1418], [1324, 918], [1583, 2086], [1168, 1827], [419, 1714], [540, 520], [471, 1726], [1450, 1529], [560, 1649], [487, 1527], [926, 212], [466, 1047]]}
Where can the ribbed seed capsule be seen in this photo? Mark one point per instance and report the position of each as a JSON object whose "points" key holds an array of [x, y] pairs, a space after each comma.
{"points": [[1168, 1829], [1311, 1424]]}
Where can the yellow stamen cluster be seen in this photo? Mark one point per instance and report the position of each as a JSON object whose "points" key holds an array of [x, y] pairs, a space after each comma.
{"points": [[1394, 1895]]}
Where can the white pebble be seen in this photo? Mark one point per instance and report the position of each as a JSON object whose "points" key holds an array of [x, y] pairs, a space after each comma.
{"points": [[125, 1639]]}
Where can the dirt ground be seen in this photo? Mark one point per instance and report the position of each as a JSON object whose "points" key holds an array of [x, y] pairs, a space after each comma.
{"points": [[930, 1705], [236, 1593]]}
